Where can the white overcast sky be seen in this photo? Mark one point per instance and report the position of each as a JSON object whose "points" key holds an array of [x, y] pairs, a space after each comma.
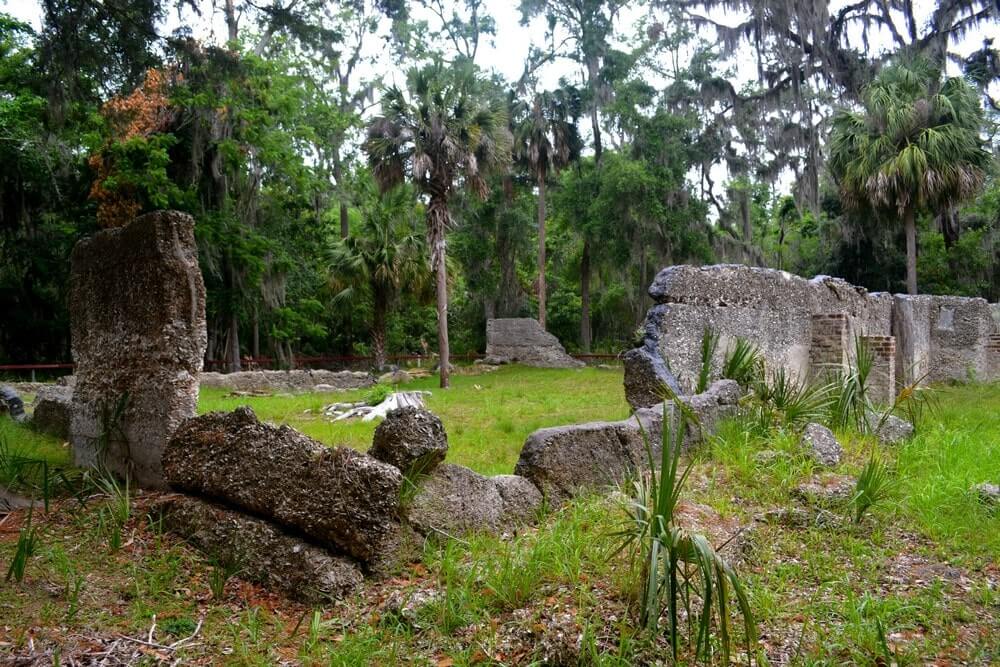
{"points": [[508, 50]]}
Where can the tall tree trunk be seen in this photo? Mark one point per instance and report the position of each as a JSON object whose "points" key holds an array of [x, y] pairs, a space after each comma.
{"points": [[950, 230], [909, 220], [444, 361], [541, 250], [255, 345], [381, 305], [233, 353], [438, 218], [592, 74], [231, 21], [338, 176], [585, 298]]}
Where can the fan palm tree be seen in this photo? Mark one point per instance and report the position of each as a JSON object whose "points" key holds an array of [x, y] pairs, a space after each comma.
{"points": [[381, 258], [443, 132], [915, 148], [546, 141]]}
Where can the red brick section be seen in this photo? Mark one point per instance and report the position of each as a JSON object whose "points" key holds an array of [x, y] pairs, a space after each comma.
{"points": [[882, 381], [830, 335]]}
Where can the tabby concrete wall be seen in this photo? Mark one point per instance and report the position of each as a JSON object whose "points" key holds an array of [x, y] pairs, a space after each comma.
{"points": [[809, 326], [773, 309], [137, 311], [943, 338]]}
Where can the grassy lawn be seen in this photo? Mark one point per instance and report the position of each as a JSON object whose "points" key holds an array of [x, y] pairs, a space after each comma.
{"points": [[487, 416], [916, 582]]}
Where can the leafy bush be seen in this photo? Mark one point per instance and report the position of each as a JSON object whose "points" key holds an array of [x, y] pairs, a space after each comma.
{"points": [[785, 400], [377, 394]]}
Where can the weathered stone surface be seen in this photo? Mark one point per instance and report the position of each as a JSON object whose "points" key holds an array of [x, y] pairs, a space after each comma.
{"points": [[806, 327], [455, 500], [395, 377], [712, 405], [821, 445], [893, 431], [522, 340], [771, 308], [411, 606], [521, 499], [988, 494], [942, 338], [53, 407], [137, 310], [288, 381], [565, 461], [334, 495], [828, 489], [646, 375], [412, 439], [260, 551]]}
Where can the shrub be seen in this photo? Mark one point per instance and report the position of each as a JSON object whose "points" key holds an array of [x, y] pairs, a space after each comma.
{"points": [[675, 566], [743, 363]]}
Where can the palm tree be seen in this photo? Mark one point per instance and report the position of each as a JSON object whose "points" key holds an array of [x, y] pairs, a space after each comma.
{"points": [[381, 258], [441, 133], [547, 140], [916, 147]]}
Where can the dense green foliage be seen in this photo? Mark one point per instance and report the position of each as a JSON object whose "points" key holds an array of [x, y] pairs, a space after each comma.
{"points": [[562, 202]]}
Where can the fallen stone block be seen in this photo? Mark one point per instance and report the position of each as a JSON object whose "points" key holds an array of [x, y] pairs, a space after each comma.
{"points": [[988, 494], [52, 411], [454, 500], [828, 489], [821, 445], [892, 431], [337, 496], [412, 439], [260, 551], [522, 340]]}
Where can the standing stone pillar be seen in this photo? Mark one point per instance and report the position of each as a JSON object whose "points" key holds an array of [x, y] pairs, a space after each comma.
{"points": [[137, 309], [882, 379], [831, 343]]}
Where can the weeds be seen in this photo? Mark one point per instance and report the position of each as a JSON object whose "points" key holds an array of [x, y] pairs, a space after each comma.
{"points": [[377, 394], [677, 567], [872, 486], [113, 516], [27, 545], [219, 576], [709, 344], [743, 363]]}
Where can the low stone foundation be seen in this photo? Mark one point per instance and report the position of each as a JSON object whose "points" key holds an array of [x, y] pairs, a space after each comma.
{"points": [[287, 381]]}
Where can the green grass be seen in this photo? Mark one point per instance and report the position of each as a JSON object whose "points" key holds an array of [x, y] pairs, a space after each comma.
{"points": [[487, 416], [25, 441], [915, 582]]}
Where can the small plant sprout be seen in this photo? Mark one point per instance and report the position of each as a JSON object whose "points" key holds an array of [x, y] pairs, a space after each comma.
{"points": [[872, 487]]}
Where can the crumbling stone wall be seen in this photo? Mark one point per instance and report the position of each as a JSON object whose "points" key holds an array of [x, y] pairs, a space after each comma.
{"points": [[804, 326], [290, 381], [137, 309], [522, 340], [773, 309]]}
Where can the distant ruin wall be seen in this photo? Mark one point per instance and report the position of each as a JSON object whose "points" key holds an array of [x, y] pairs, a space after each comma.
{"points": [[809, 326], [522, 340]]}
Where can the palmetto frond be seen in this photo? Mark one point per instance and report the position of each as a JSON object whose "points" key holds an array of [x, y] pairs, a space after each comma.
{"points": [[917, 144]]}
